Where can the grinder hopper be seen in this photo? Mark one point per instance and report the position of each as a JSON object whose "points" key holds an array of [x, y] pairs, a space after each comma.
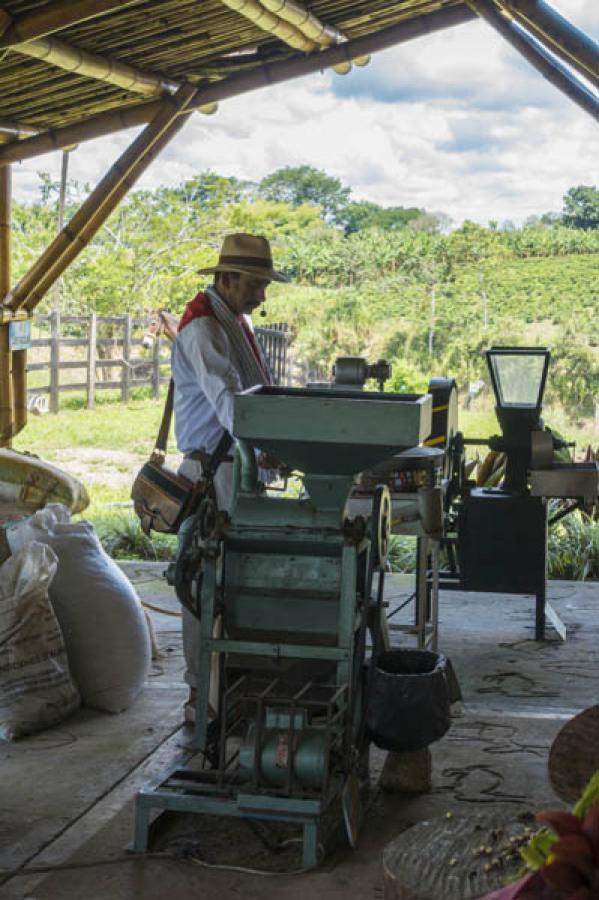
{"points": [[330, 435]]}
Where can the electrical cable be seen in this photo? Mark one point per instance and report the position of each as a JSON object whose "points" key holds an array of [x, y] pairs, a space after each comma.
{"points": [[401, 606], [136, 857], [159, 609]]}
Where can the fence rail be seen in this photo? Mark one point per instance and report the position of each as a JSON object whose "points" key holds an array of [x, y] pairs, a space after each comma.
{"points": [[100, 355]]}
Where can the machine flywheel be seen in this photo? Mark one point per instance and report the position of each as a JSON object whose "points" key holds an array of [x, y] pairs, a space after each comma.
{"points": [[381, 525]]}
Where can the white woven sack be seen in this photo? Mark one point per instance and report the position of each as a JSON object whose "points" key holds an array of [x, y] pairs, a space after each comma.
{"points": [[100, 614], [36, 688]]}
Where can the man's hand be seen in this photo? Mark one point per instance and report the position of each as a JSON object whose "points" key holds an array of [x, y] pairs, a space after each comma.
{"points": [[265, 461]]}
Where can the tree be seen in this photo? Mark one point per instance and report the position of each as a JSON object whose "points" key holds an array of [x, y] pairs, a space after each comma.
{"points": [[305, 184], [360, 215], [212, 191], [581, 207]]}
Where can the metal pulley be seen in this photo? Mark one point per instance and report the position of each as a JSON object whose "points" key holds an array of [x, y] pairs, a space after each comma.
{"points": [[207, 519], [355, 371], [381, 525], [198, 538]]}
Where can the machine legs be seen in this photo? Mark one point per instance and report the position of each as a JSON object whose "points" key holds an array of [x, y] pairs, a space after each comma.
{"points": [[426, 596], [142, 825], [540, 599], [161, 797], [310, 850]]}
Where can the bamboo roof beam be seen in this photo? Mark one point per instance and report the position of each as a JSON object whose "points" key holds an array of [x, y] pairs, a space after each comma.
{"points": [[96, 126], [272, 24], [312, 28], [538, 56], [54, 17], [307, 22], [294, 25], [563, 38], [67, 245], [93, 65], [262, 76]]}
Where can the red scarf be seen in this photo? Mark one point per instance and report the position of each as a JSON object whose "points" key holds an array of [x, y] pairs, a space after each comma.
{"points": [[200, 307], [196, 309]]}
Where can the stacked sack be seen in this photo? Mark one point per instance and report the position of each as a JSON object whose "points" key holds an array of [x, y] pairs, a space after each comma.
{"points": [[36, 688], [99, 613]]}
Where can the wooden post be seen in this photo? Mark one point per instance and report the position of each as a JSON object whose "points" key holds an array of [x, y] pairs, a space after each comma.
{"points": [[125, 364], [91, 361], [285, 359], [6, 383], [19, 386], [55, 361], [156, 368]]}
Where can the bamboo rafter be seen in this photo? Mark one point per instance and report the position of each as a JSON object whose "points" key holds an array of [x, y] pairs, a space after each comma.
{"points": [[92, 65], [54, 17], [106, 123], [570, 43], [294, 25], [309, 24], [272, 24], [537, 56]]}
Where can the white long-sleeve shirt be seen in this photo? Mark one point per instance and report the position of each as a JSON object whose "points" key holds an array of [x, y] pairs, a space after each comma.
{"points": [[205, 384]]}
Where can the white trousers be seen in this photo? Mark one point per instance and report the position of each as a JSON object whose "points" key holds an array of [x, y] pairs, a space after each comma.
{"points": [[223, 485]]}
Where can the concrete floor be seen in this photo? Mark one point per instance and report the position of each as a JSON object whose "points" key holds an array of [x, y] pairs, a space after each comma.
{"points": [[66, 794]]}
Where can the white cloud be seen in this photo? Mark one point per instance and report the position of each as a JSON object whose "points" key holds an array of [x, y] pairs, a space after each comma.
{"points": [[456, 121]]}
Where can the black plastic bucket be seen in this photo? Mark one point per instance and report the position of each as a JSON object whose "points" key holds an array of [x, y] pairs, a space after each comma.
{"points": [[408, 704]]}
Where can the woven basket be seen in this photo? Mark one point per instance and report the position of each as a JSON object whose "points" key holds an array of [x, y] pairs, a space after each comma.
{"points": [[408, 772]]}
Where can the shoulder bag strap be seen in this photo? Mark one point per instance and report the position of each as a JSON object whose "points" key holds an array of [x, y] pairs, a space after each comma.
{"points": [[165, 425], [222, 448]]}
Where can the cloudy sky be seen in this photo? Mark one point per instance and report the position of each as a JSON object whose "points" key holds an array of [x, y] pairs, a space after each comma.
{"points": [[455, 122]]}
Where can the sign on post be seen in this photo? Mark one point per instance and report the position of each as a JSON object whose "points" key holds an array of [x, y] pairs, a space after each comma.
{"points": [[19, 334]]}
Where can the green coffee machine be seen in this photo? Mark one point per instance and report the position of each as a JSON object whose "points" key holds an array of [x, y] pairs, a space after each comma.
{"points": [[282, 586]]}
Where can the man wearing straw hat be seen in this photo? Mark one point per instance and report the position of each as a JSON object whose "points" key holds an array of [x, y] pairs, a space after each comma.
{"points": [[215, 355]]}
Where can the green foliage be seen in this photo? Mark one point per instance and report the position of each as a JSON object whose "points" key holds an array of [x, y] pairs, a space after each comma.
{"points": [[402, 554], [305, 184], [122, 538], [573, 548], [360, 215], [581, 207]]}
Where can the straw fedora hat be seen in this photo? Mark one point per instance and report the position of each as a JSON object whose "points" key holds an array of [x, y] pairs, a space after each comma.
{"points": [[246, 253]]}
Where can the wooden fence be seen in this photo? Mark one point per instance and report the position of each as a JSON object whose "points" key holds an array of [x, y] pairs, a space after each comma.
{"points": [[97, 345]]}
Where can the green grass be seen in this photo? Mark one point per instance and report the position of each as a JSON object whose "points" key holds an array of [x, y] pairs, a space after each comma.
{"points": [[110, 425]]}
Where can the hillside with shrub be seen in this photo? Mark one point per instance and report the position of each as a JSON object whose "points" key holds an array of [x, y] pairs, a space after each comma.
{"points": [[368, 280]]}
